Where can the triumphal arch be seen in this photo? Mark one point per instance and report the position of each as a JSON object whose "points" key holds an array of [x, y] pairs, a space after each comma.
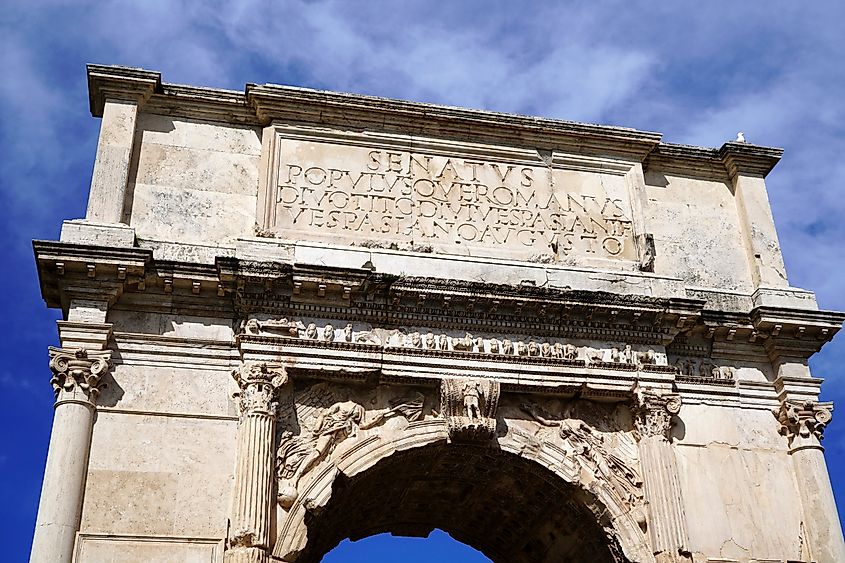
{"points": [[294, 316]]}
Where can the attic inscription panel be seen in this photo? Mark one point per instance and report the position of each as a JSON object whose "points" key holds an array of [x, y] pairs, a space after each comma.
{"points": [[433, 196]]}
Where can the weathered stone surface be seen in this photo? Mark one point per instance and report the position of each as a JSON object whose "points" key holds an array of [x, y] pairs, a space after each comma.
{"points": [[556, 341]]}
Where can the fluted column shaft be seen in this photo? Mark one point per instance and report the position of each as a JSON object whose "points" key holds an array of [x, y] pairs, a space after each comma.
{"points": [[76, 377], [252, 502], [666, 518]]}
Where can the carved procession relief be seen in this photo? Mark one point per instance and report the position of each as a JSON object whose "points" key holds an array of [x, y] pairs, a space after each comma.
{"points": [[622, 356], [703, 368]]}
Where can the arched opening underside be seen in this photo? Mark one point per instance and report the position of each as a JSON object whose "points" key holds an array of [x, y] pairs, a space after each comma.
{"points": [[509, 508]]}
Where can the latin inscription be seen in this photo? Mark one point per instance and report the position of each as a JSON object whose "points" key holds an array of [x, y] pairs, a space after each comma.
{"points": [[358, 193]]}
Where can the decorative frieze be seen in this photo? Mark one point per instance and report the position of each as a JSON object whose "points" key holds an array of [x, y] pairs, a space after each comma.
{"points": [[77, 373], [703, 369], [803, 422], [409, 340], [469, 407]]}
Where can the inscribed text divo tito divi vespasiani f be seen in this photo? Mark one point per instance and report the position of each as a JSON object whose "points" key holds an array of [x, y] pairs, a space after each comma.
{"points": [[357, 193]]}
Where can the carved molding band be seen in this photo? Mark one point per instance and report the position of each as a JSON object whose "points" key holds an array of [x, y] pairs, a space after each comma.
{"points": [[803, 422], [653, 411], [469, 407], [77, 373]]}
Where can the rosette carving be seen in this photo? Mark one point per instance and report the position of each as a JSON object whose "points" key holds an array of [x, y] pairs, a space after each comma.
{"points": [[77, 372], [803, 422], [653, 411]]}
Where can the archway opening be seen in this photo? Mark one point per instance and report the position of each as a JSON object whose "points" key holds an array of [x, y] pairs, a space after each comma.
{"points": [[507, 507], [387, 548]]}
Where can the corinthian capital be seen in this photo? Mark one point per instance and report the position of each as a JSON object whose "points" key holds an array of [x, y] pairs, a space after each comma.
{"points": [[653, 411], [259, 387], [77, 372], [803, 422]]}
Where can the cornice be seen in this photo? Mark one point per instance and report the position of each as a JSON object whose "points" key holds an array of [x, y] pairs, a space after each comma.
{"points": [[262, 104], [748, 159], [119, 83], [286, 103], [67, 270], [245, 288], [728, 161]]}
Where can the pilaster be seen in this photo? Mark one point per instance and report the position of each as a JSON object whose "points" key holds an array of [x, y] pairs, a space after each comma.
{"points": [[747, 166], [116, 94]]}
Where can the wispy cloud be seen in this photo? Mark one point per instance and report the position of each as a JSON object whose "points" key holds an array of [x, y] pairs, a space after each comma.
{"points": [[772, 69]]}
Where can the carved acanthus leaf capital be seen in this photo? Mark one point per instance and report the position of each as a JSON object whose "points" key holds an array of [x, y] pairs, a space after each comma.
{"points": [[259, 386], [803, 422], [77, 372], [653, 411]]}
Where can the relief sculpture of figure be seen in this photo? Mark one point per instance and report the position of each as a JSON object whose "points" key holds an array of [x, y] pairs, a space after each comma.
{"points": [[507, 347], [464, 344], [592, 451], [472, 392], [328, 333], [646, 358], [323, 428], [414, 340], [595, 356], [430, 341], [311, 331], [251, 327], [443, 342], [409, 407], [347, 333], [338, 422]]}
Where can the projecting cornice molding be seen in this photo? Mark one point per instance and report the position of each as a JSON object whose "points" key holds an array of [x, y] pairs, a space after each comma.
{"points": [[262, 104], [69, 271], [119, 83]]}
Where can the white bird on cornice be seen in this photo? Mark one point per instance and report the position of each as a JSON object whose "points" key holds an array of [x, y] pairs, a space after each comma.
{"points": [[740, 137]]}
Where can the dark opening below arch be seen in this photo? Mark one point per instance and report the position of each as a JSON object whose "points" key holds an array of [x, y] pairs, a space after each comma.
{"points": [[509, 508], [383, 548]]}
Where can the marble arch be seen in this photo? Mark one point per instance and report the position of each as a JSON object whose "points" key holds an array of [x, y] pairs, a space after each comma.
{"points": [[592, 514], [279, 296]]}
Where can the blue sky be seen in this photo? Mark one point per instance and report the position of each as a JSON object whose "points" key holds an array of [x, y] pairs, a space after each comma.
{"points": [[696, 72]]}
